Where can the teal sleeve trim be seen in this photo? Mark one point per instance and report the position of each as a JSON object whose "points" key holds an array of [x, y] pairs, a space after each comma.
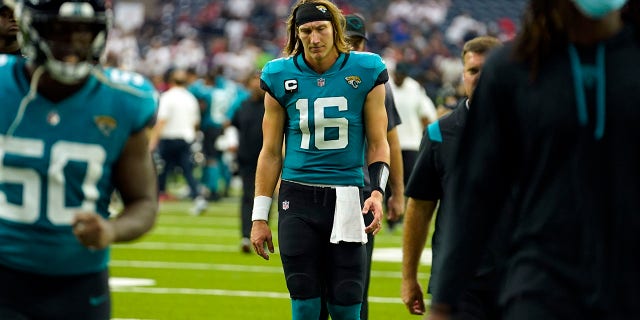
{"points": [[434, 132]]}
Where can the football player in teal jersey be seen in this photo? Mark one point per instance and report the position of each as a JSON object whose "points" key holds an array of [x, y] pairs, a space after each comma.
{"points": [[70, 134], [322, 101], [203, 89], [221, 98]]}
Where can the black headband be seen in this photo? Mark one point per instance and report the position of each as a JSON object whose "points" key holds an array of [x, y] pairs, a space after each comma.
{"points": [[308, 12]]}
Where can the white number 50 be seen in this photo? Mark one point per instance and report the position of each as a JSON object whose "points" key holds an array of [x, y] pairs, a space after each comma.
{"points": [[62, 152]]}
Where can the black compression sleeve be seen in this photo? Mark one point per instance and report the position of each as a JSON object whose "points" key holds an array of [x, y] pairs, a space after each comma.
{"points": [[379, 175]]}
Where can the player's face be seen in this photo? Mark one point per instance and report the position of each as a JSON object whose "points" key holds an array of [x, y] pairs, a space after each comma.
{"points": [[317, 39], [69, 41], [356, 43], [473, 63], [8, 24]]}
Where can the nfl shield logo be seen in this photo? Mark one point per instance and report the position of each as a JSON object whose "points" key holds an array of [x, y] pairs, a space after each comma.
{"points": [[53, 118], [321, 82], [285, 205]]}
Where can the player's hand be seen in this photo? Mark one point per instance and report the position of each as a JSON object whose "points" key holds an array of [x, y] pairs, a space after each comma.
{"points": [[395, 207], [374, 204], [261, 238], [92, 230], [412, 297]]}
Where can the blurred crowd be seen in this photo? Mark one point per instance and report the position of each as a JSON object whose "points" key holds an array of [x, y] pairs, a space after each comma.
{"points": [[222, 44], [240, 36]]}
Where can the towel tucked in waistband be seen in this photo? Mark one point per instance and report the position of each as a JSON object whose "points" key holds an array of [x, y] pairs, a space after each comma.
{"points": [[348, 225]]}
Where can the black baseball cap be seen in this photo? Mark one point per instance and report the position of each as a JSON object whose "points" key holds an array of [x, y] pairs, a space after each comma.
{"points": [[355, 26]]}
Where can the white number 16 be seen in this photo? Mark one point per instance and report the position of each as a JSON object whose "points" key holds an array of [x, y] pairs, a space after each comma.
{"points": [[321, 123]]}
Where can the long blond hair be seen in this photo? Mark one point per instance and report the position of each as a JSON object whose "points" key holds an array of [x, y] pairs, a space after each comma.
{"points": [[294, 45]]}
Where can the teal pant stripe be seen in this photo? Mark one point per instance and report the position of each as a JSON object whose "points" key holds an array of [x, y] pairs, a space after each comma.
{"points": [[351, 312], [304, 309]]}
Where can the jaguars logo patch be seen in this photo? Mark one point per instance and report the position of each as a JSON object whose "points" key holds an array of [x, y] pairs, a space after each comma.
{"points": [[322, 8], [106, 124], [354, 81]]}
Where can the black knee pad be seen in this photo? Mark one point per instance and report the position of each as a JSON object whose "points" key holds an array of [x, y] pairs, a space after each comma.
{"points": [[347, 293], [302, 286]]}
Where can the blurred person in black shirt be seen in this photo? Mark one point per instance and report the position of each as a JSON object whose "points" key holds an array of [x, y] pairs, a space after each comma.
{"points": [[429, 182], [248, 121]]}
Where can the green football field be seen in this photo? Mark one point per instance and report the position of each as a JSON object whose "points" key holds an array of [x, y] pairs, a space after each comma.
{"points": [[191, 267]]}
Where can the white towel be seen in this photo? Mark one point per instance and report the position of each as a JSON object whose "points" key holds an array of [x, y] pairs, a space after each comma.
{"points": [[348, 225]]}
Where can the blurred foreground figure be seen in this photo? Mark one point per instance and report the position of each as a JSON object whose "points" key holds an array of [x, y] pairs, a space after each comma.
{"points": [[553, 126], [70, 134]]}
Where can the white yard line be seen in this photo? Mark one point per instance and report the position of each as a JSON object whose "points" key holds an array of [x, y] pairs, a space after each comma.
{"points": [[379, 254], [231, 293], [193, 266], [165, 246]]}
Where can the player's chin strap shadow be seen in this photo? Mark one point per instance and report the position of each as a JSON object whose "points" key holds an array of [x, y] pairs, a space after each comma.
{"points": [[33, 89]]}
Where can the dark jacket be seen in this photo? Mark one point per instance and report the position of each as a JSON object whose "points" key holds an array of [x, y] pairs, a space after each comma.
{"points": [[578, 215]]}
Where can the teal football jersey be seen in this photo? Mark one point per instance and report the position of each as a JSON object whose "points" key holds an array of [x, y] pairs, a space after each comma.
{"points": [[221, 101], [203, 92], [325, 131], [57, 158]]}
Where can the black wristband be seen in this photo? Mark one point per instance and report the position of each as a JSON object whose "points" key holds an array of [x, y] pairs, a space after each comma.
{"points": [[379, 175]]}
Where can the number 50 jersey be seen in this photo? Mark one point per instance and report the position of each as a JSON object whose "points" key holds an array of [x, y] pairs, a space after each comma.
{"points": [[56, 159], [325, 130]]}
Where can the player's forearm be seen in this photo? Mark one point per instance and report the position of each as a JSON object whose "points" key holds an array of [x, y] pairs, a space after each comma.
{"points": [[267, 173], [416, 226], [396, 171], [136, 219], [136, 180], [378, 151], [375, 114]]}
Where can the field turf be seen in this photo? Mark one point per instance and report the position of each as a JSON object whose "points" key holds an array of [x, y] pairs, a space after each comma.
{"points": [[191, 267]]}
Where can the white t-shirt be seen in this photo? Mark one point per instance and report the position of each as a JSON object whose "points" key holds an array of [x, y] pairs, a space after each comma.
{"points": [[413, 105], [181, 111]]}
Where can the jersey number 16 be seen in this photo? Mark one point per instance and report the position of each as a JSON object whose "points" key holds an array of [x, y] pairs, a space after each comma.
{"points": [[321, 123]]}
